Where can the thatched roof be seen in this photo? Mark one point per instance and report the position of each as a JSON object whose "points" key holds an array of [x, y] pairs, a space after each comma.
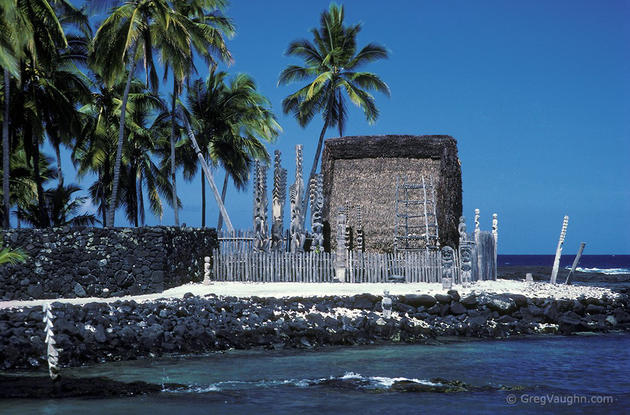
{"points": [[439, 148], [388, 146]]}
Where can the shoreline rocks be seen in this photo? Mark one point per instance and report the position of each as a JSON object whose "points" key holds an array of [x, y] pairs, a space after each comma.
{"points": [[126, 330]]}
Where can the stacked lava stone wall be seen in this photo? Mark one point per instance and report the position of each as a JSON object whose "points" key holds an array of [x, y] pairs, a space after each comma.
{"points": [[102, 262]]}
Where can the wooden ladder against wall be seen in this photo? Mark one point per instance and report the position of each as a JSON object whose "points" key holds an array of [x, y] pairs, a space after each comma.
{"points": [[415, 226]]}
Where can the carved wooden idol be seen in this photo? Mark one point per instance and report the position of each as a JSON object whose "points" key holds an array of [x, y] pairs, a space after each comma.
{"points": [[340, 261], [466, 255], [477, 230], [448, 260], [279, 194], [461, 228], [348, 231], [297, 215], [317, 205], [261, 238]]}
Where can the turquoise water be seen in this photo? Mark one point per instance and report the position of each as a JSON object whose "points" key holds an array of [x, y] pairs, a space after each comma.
{"points": [[280, 382]]}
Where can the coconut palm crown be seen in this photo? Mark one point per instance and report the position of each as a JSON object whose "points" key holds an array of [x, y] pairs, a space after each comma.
{"points": [[331, 64]]}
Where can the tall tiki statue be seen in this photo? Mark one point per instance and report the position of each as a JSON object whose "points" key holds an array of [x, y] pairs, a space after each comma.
{"points": [[279, 195], [317, 205], [261, 238], [297, 194]]}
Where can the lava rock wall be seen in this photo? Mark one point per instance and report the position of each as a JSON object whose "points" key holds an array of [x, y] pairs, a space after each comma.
{"points": [[101, 262]]}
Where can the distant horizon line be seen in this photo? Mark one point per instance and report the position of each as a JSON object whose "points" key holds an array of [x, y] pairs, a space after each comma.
{"points": [[566, 254]]}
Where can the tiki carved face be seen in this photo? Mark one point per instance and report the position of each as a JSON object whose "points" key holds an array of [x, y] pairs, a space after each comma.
{"points": [[447, 256], [466, 255]]}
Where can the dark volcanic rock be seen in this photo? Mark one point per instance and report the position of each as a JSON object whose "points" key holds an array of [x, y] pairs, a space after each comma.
{"points": [[501, 303], [469, 302], [417, 300], [594, 309], [443, 298], [78, 262], [519, 299], [42, 387], [123, 330], [457, 308], [365, 301], [79, 290], [454, 295]]}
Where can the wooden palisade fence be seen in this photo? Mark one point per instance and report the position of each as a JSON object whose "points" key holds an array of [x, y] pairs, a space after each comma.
{"points": [[422, 266]]}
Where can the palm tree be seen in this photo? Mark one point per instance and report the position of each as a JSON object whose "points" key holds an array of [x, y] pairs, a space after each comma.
{"points": [[203, 35], [140, 170], [61, 209], [49, 85], [14, 35], [49, 109], [28, 29], [138, 28], [230, 120], [23, 186], [330, 64], [96, 151], [128, 29]]}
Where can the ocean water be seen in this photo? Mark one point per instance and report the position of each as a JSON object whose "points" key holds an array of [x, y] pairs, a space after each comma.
{"points": [[607, 264], [564, 375]]}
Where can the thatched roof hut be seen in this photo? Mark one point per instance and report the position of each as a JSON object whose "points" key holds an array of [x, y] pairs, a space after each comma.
{"points": [[362, 171]]}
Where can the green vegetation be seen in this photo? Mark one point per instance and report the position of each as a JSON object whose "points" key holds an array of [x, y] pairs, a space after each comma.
{"points": [[330, 65], [71, 87], [229, 121], [99, 94], [8, 256]]}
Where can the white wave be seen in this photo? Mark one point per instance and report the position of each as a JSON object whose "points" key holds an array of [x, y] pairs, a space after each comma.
{"points": [[384, 381], [243, 384], [608, 271], [369, 382], [350, 375], [388, 382]]}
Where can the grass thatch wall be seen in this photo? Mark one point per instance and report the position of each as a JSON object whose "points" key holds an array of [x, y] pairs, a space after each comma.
{"points": [[362, 170]]}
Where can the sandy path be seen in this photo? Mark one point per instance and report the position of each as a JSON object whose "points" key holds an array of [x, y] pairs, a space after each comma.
{"points": [[282, 289]]}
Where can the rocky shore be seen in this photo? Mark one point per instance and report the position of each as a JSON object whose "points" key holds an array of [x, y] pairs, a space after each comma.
{"points": [[126, 330]]}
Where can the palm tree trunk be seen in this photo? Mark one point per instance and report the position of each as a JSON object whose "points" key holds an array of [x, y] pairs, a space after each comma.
{"points": [[173, 179], [59, 172], [141, 201], [103, 199], [43, 217], [223, 192], [313, 170], [203, 201], [121, 138], [6, 152], [208, 175]]}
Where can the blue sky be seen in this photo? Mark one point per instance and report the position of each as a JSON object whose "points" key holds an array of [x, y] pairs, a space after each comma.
{"points": [[537, 94]]}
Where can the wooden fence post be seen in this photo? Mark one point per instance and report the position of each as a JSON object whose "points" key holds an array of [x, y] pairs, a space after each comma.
{"points": [[556, 261], [576, 261]]}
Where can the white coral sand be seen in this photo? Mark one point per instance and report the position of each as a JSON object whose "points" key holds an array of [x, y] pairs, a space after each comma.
{"points": [[286, 289]]}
